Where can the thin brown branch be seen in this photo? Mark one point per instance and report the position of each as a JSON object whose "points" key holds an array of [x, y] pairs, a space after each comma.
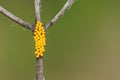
{"points": [[15, 18], [59, 14], [39, 69], [37, 9], [39, 61]]}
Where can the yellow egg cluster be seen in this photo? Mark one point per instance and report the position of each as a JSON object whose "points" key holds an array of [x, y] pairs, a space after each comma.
{"points": [[40, 40]]}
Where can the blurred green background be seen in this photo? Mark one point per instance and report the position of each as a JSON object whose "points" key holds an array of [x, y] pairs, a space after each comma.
{"points": [[83, 45]]}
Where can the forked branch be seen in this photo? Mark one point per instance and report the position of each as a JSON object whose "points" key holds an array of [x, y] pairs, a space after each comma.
{"points": [[37, 4], [15, 18], [60, 13]]}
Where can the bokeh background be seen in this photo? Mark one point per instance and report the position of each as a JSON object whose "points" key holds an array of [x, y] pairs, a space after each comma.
{"points": [[83, 45]]}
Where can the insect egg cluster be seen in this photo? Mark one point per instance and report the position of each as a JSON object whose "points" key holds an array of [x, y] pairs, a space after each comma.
{"points": [[40, 40]]}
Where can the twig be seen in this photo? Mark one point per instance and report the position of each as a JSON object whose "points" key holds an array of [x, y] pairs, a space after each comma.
{"points": [[37, 9], [39, 61], [15, 18], [39, 69], [59, 14]]}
